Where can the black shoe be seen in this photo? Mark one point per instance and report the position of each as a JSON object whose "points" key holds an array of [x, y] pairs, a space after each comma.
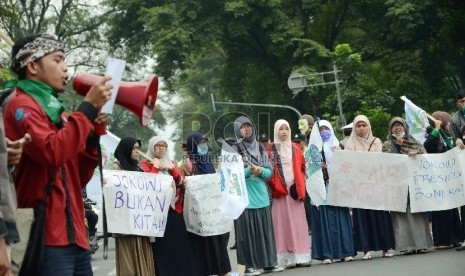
{"points": [[233, 247]]}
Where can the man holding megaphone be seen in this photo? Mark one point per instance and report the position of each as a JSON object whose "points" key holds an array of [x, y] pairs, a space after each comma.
{"points": [[59, 160]]}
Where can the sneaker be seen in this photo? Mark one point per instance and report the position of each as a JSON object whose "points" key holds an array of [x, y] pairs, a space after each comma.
{"points": [[251, 271], [273, 269]]}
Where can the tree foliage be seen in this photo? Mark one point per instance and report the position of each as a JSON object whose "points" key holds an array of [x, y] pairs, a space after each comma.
{"points": [[81, 25]]}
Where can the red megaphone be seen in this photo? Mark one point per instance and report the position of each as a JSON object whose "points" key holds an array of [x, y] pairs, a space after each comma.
{"points": [[139, 97]]}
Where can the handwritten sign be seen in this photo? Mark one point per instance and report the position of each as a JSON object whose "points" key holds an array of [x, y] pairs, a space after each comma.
{"points": [[380, 181], [376, 181], [137, 203], [202, 202], [438, 182]]}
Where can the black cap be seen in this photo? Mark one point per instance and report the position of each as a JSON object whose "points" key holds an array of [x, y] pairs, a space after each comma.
{"points": [[263, 137], [299, 137]]}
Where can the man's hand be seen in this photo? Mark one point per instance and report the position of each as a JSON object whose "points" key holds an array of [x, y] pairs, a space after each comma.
{"points": [[15, 149], [99, 93], [5, 269], [102, 119]]}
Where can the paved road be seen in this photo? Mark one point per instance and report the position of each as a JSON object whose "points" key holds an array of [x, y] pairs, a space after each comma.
{"points": [[435, 263]]}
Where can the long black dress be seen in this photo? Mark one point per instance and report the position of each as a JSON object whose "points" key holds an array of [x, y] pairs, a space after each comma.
{"points": [[447, 229]]}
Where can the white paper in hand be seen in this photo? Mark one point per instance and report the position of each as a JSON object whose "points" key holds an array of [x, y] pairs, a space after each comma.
{"points": [[115, 69]]}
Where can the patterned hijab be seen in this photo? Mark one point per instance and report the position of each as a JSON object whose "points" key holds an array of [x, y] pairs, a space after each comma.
{"points": [[358, 143], [409, 143]]}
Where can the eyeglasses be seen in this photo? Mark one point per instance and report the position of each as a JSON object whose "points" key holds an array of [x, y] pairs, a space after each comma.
{"points": [[136, 148], [161, 145]]}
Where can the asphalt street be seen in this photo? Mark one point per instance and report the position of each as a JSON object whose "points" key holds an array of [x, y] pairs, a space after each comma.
{"points": [[437, 263]]}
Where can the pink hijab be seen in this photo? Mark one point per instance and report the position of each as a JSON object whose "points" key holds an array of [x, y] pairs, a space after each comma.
{"points": [[284, 149]]}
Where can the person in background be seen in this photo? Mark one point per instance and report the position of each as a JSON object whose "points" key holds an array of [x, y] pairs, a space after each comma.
{"points": [[209, 254], [288, 186], [10, 154], [331, 225], [346, 130], [62, 151], [170, 252], [411, 230], [185, 165], [300, 141], [458, 129], [265, 140], [92, 219], [372, 228], [447, 230], [305, 125], [256, 247], [133, 253]]}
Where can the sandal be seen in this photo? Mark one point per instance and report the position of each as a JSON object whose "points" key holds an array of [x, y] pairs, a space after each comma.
{"points": [[348, 259], [388, 254], [422, 251], [327, 261], [367, 256], [408, 252]]}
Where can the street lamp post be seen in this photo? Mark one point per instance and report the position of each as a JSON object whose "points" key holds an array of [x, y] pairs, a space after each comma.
{"points": [[298, 82]]}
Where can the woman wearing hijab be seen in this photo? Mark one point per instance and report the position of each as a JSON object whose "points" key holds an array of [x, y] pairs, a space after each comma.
{"points": [[133, 253], [372, 228], [331, 225], [170, 251], [446, 224], [209, 255], [288, 189], [256, 247], [411, 230]]}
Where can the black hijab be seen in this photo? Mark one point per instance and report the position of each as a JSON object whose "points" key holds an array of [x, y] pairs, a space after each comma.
{"points": [[123, 153]]}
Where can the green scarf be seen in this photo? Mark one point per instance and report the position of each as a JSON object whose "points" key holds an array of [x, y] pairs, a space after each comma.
{"points": [[45, 96], [447, 137]]}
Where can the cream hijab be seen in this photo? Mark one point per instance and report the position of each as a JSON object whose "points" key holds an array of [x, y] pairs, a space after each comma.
{"points": [[358, 143], [165, 159]]}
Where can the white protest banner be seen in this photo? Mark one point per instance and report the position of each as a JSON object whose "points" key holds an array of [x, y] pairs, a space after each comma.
{"points": [[416, 119], [367, 180], [438, 182], [201, 206], [137, 203], [108, 143], [115, 69], [314, 175], [233, 187]]}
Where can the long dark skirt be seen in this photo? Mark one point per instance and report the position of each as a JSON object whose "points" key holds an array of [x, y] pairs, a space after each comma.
{"points": [[256, 245], [372, 230], [331, 233], [447, 229], [170, 253], [209, 255]]}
